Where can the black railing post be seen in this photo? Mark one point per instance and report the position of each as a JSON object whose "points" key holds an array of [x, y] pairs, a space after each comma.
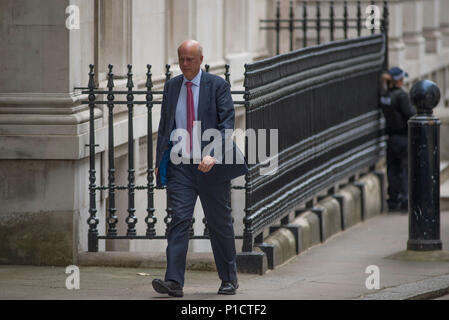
{"points": [[92, 221], [290, 25], [278, 26], [191, 230], [248, 235], [150, 219], [359, 19], [227, 74], [373, 22], [206, 232], [318, 23], [168, 217], [332, 21], [304, 24], [131, 220], [206, 67], [385, 26], [424, 169], [112, 220], [167, 72], [345, 19]]}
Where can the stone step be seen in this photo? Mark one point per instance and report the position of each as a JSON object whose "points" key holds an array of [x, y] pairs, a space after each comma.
{"points": [[444, 196], [443, 114], [444, 171]]}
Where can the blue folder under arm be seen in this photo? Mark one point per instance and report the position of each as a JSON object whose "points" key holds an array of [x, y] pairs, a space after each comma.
{"points": [[162, 179]]}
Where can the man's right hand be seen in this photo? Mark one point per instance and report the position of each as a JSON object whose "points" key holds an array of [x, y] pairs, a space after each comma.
{"points": [[155, 171]]}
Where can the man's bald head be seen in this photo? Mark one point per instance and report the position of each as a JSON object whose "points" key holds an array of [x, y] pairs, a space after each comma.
{"points": [[191, 45], [190, 56]]}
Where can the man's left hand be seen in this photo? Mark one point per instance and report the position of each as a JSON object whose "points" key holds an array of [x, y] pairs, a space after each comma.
{"points": [[206, 164]]}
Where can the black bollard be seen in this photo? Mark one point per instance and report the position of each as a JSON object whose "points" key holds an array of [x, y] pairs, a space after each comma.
{"points": [[424, 169]]}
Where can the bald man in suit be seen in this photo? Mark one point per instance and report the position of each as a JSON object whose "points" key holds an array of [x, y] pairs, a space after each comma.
{"points": [[197, 96]]}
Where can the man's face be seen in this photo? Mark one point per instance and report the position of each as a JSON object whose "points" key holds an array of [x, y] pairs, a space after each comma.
{"points": [[399, 83], [190, 60]]}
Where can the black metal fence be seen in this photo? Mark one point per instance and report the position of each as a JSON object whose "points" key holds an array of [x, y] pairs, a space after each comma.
{"points": [[131, 221], [324, 102], [378, 23]]}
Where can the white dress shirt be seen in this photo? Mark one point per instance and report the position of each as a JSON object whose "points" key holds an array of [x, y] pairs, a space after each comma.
{"points": [[181, 109]]}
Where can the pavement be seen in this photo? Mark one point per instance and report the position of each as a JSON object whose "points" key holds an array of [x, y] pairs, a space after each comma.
{"points": [[338, 269]]}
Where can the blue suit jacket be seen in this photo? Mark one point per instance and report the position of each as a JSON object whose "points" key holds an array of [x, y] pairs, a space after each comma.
{"points": [[215, 110]]}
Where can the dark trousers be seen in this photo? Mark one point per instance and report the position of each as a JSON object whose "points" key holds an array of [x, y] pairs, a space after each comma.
{"points": [[397, 170], [184, 184]]}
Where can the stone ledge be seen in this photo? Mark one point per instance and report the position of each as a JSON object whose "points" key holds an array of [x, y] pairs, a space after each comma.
{"points": [[200, 261], [444, 196], [279, 247], [295, 229], [351, 206], [310, 229], [252, 262], [443, 115], [373, 202], [329, 213], [328, 217]]}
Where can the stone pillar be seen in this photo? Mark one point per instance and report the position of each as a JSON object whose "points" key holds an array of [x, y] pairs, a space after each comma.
{"points": [[396, 45], [238, 36], [258, 38], [208, 28], [444, 22], [149, 36], [181, 13], [115, 36], [415, 44], [201, 20], [43, 164], [431, 25]]}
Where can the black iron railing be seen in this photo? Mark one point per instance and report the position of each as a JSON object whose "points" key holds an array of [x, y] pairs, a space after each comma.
{"points": [[376, 21], [324, 102], [131, 220]]}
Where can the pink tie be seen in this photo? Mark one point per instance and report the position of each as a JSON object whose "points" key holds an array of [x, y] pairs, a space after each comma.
{"points": [[190, 114]]}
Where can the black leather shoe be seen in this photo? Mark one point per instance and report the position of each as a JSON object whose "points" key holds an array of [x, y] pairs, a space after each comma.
{"points": [[228, 287], [172, 288]]}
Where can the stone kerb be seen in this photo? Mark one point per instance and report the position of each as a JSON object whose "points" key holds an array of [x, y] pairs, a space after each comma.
{"points": [[351, 206], [373, 196], [310, 229], [279, 247], [329, 213]]}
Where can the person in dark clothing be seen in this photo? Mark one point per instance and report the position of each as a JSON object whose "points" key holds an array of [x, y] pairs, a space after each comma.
{"points": [[397, 109]]}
